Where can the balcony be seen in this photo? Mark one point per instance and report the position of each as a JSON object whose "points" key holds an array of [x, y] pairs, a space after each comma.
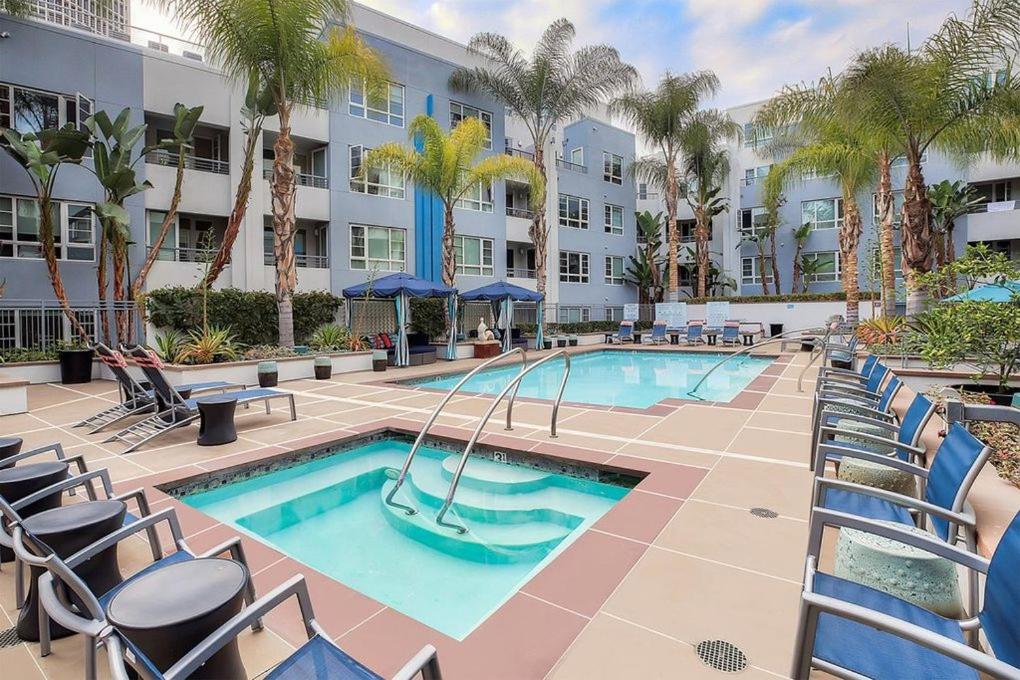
{"points": [[519, 273], [994, 222], [167, 158], [300, 260], [573, 167], [522, 213], [302, 179], [183, 267], [510, 151]]}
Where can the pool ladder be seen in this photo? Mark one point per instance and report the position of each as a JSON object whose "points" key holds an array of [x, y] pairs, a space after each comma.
{"points": [[513, 386]]}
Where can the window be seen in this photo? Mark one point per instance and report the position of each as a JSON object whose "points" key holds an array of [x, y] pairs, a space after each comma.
{"points": [[749, 273], [573, 212], [573, 267], [474, 255], [614, 219], [995, 192], [477, 197], [642, 191], [828, 266], [614, 313], [168, 251], [377, 181], [686, 228], [73, 229], [826, 213], [573, 314], [614, 270], [612, 168], [28, 110], [459, 112], [752, 175], [577, 156], [686, 276], [377, 248], [385, 107], [897, 208], [751, 220], [750, 141]]}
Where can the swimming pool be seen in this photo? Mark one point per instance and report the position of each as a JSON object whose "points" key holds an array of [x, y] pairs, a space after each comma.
{"points": [[329, 514], [636, 379]]}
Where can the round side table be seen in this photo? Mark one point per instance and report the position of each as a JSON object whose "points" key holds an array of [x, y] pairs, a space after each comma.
{"points": [[901, 570], [9, 446], [66, 530], [217, 420], [23, 480], [165, 613]]}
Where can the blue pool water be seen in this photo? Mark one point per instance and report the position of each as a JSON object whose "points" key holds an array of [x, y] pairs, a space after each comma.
{"points": [[636, 379], [330, 515]]}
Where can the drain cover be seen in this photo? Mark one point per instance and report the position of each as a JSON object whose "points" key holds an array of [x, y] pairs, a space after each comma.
{"points": [[722, 656], [9, 638], [764, 513]]}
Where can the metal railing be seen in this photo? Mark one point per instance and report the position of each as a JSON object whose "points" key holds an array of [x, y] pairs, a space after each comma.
{"points": [[510, 151], [185, 254], [306, 261], [648, 196], [300, 178], [512, 385], [432, 419], [161, 157], [567, 165], [32, 324], [109, 20], [520, 273], [523, 213]]}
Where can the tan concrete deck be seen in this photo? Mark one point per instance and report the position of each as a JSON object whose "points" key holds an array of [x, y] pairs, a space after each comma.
{"points": [[679, 561]]}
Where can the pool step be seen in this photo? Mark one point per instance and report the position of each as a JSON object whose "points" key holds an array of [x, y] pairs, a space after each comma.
{"points": [[486, 542], [488, 475]]}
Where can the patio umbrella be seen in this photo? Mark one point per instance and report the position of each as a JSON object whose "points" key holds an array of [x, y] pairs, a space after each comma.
{"points": [[989, 292], [539, 335], [451, 336]]}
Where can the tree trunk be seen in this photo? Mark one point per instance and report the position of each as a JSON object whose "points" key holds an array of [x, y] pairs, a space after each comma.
{"points": [[796, 273], [849, 240], [950, 244], [449, 248], [119, 253], [237, 213], [50, 255], [701, 244], [284, 194], [672, 195], [916, 233], [538, 231], [887, 252], [761, 267], [104, 317], [776, 283]]}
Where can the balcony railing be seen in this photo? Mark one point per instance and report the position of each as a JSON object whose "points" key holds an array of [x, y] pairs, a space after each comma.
{"points": [[523, 213], [567, 165], [510, 151], [998, 206], [160, 157], [304, 261], [302, 179], [519, 273], [648, 196], [185, 254]]}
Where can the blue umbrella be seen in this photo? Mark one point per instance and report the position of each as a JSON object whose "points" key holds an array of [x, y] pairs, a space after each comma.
{"points": [[989, 292], [506, 293]]}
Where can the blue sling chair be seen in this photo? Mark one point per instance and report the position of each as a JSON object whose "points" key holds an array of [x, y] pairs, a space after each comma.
{"points": [[847, 375], [318, 659], [830, 404], [731, 333], [851, 630], [694, 332], [658, 335], [625, 334], [837, 353]]}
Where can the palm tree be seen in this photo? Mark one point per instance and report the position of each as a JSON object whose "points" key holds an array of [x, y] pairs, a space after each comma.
{"points": [[950, 200], [941, 96], [551, 87], [446, 166], [293, 50], [645, 270], [665, 117]]}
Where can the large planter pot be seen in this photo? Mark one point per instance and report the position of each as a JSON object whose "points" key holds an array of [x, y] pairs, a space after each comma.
{"points": [[572, 340], [546, 344], [268, 374], [1002, 396], [323, 368], [75, 366], [379, 360]]}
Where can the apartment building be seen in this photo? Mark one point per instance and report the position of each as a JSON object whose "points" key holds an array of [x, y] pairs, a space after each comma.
{"points": [[54, 72], [817, 200]]}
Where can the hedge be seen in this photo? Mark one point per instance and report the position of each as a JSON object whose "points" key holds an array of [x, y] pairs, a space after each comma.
{"points": [[866, 296], [250, 315]]}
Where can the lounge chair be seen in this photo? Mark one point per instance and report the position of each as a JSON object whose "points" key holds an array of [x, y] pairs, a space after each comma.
{"points": [[658, 335], [695, 329], [135, 399], [317, 659], [625, 334], [180, 411], [831, 401], [88, 615], [850, 630], [841, 355], [731, 333], [847, 375]]}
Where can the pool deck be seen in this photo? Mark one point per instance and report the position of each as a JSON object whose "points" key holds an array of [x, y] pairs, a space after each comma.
{"points": [[680, 560]]}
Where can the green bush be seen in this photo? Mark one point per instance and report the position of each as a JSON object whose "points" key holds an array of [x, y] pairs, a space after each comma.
{"points": [[17, 355], [529, 329], [331, 337], [428, 316], [789, 297], [250, 315]]}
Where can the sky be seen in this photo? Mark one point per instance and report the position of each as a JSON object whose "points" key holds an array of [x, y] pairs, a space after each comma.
{"points": [[754, 46]]}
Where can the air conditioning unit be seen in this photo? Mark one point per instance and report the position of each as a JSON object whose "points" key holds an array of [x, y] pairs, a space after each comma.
{"points": [[158, 46]]}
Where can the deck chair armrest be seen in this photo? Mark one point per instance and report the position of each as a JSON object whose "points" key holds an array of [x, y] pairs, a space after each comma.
{"points": [[945, 646], [62, 615], [875, 439], [861, 414], [851, 389], [295, 586], [840, 373], [56, 447], [232, 546], [425, 663], [878, 458], [168, 515], [84, 480], [907, 502], [139, 497]]}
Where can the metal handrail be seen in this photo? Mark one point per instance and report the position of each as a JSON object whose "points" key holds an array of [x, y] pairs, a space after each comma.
{"points": [[485, 419], [816, 351], [432, 419], [782, 337]]}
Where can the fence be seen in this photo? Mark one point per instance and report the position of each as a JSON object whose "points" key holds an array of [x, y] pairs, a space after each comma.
{"points": [[42, 324]]}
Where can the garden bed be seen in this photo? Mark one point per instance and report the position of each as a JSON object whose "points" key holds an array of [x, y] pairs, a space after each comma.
{"points": [[246, 372]]}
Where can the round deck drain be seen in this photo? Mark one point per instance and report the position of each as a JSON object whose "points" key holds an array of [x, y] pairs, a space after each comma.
{"points": [[722, 656], [764, 513]]}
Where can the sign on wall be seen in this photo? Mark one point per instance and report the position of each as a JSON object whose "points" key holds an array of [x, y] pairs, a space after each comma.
{"points": [[631, 311], [716, 314], [673, 313]]}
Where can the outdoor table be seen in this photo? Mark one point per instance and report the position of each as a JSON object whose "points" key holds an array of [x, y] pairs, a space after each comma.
{"points": [[9, 446], [66, 530], [711, 337], [167, 612], [747, 337], [217, 420], [24, 480], [609, 338], [637, 338], [674, 338]]}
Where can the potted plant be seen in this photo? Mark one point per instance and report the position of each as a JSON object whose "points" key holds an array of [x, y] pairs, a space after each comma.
{"points": [[561, 341], [572, 340], [268, 374], [379, 359], [323, 368], [300, 350], [547, 342], [75, 363]]}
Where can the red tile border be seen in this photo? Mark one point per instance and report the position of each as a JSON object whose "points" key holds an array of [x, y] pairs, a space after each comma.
{"points": [[639, 516], [670, 479]]}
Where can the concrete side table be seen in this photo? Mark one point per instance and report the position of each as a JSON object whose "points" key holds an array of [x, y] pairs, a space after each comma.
{"points": [[901, 570], [9, 446]]}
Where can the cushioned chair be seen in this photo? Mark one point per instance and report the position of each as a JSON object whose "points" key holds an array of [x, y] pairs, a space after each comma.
{"points": [[840, 355], [317, 659], [847, 375], [830, 403], [625, 334], [850, 630]]}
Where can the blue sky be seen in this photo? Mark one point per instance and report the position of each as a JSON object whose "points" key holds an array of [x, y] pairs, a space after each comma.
{"points": [[755, 46]]}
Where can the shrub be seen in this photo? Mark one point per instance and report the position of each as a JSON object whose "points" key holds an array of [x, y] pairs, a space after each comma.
{"points": [[882, 330], [268, 352], [213, 346], [330, 337], [788, 297], [17, 355], [170, 343], [428, 316]]}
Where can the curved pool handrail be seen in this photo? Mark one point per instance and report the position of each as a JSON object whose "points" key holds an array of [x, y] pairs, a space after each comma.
{"points": [[782, 337], [485, 418], [432, 419]]}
